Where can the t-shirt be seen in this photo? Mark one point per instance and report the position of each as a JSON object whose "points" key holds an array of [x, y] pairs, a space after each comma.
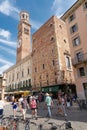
{"points": [[48, 100], [14, 105], [1, 104], [24, 104], [33, 103]]}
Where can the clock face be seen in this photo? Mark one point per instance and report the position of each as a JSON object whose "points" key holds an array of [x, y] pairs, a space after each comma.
{"points": [[19, 43]]}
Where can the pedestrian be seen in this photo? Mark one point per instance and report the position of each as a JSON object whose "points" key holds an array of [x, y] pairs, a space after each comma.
{"points": [[28, 101], [48, 102], [14, 104], [24, 106], [68, 102], [2, 104], [59, 103], [63, 105], [33, 106], [19, 103]]}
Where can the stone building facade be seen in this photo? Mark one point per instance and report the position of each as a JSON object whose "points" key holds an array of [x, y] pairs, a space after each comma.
{"points": [[19, 75], [48, 67], [76, 21], [51, 59]]}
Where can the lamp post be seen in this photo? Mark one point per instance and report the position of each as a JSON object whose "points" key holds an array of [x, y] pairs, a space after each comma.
{"points": [[2, 86]]}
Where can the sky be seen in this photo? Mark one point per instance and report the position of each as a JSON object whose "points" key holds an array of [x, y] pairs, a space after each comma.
{"points": [[39, 12]]}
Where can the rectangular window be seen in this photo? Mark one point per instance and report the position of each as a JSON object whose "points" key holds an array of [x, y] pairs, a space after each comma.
{"points": [[81, 71], [85, 5], [43, 66], [79, 56], [29, 82], [22, 74], [17, 75], [53, 62], [72, 17], [47, 82], [35, 69], [28, 71], [55, 80], [13, 77], [73, 29], [76, 41], [26, 31], [68, 62]]}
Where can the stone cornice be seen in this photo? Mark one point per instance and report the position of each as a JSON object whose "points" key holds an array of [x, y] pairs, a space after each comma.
{"points": [[72, 9]]}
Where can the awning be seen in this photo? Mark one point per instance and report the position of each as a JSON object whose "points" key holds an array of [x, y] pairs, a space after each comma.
{"points": [[50, 89]]}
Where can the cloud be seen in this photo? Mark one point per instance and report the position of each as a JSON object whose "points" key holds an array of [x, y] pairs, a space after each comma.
{"points": [[55, 5], [5, 61], [59, 7], [9, 43], [7, 8], [10, 51], [5, 34], [6, 65], [35, 24]]}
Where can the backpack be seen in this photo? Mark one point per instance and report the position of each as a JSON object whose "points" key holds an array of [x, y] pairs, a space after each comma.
{"points": [[24, 104]]}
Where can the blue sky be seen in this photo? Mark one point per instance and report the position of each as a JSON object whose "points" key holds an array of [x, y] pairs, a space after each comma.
{"points": [[39, 10]]}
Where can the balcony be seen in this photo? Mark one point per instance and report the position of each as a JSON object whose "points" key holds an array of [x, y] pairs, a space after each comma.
{"points": [[79, 60], [19, 89]]}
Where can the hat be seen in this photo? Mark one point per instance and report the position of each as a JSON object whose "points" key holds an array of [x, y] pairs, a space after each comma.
{"points": [[47, 94], [31, 97]]}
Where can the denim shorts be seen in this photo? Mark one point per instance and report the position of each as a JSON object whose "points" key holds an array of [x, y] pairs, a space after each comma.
{"points": [[1, 111]]}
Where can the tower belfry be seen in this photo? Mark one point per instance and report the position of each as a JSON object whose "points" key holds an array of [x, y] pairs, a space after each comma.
{"points": [[23, 39], [24, 17]]}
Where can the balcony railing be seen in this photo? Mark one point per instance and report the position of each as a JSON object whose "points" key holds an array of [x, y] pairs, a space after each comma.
{"points": [[19, 89], [78, 60]]}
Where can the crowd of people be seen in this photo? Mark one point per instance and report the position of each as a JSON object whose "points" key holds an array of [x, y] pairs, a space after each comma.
{"points": [[32, 102]]}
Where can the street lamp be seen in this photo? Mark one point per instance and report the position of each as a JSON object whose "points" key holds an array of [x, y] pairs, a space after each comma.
{"points": [[2, 85]]}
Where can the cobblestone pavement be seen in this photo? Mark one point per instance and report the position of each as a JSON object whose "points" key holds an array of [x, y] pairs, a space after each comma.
{"points": [[78, 118]]}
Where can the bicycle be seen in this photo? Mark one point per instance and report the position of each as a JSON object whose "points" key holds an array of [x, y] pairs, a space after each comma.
{"points": [[9, 123], [14, 124], [64, 126], [4, 121], [27, 124], [40, 126]]}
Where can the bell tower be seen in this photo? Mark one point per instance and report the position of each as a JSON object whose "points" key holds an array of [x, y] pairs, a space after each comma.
{"points": [[23, 39]]}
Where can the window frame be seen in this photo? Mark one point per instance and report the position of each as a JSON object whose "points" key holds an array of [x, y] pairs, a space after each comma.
{"points": [[69, 61], [81, 74], [71, 17], [26, 30], [79, 56], [76, 41], [85, 5], [74, 29]]}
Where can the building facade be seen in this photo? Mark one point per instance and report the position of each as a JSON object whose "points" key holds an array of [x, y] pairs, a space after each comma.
{"points": [[48, 67], [76, 21], [51, 59], [19, 75]]}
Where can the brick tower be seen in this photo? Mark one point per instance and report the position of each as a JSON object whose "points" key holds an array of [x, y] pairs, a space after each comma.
{"points": [[23, 40]]}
